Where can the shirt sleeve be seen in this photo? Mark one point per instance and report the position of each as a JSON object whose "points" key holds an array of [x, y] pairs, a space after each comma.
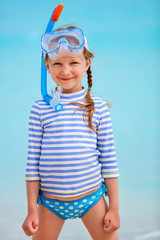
{"points": [[105, 144], [34, 144]]}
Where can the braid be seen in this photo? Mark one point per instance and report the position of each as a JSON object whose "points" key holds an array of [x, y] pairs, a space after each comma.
{"points": [[88, 99], [89, 73], [88, 106]]}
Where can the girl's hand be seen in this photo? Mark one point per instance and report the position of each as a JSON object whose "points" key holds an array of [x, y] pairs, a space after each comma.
{"points": [[30, 225], [111, 221]]}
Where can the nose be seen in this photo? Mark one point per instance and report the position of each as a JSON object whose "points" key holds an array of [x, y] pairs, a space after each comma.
{"points": [[66, 71]]}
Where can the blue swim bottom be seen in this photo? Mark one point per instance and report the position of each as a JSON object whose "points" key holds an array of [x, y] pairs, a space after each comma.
{"points": [[72, 209]]}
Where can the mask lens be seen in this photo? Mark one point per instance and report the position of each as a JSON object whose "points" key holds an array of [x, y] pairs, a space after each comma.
{"points": [[69, 40], [73, 41]]}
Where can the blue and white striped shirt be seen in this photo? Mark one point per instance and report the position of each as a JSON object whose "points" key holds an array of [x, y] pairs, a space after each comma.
{"points": [[66, 156]]}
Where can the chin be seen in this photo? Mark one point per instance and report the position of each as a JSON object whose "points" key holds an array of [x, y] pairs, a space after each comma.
{"points": [[68, 85]]}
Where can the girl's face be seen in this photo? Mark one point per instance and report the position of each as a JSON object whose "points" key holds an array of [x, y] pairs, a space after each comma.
{"points": [[68, 72]]}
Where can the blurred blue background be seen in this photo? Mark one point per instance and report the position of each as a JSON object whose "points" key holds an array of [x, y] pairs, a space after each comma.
{"points": [[125, 38]]}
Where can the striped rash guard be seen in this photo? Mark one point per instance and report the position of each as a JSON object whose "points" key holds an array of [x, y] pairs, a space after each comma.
{"points": [[67, 157]]}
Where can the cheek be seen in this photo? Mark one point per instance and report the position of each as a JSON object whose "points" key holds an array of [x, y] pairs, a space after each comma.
{"points": [[80, 73], [80, 70], [54, 71]]}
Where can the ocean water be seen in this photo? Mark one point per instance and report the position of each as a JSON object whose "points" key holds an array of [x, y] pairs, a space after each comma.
{"points": [[126, 71]]}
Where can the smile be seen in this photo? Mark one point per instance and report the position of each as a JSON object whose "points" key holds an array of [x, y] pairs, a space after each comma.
{"points": [[66, 79]]}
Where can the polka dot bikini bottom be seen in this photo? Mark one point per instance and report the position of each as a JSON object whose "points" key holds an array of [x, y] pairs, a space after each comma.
{"points": [[72, 209]]}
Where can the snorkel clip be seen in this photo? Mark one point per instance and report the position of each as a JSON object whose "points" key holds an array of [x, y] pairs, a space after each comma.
{"points": [[54, 102]]}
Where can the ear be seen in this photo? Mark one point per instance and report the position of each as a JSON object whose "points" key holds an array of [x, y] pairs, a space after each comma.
{"points": [[47, 66], [88, 62]]}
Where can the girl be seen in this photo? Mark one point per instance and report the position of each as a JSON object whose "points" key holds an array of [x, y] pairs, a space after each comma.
{"points": [[71, 154]]}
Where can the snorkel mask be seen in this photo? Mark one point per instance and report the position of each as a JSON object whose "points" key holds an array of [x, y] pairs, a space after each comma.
{"points": [[70, 42], [60, 43]]}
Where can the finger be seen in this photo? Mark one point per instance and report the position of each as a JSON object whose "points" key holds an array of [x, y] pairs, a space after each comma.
{"points": [[106, 222], [35, 229], [116, 227], [34, 225], [29, 230], [109, 229]]}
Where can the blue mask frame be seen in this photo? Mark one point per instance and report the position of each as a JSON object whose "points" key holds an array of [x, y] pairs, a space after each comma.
{"points": [[54, 18]]}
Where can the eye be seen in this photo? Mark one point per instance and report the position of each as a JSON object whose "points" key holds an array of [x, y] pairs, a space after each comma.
{"points": [[57, 63], [74, 62]]}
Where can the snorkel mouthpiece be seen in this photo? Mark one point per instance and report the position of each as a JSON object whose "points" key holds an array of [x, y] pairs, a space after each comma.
{"points": [[50, 100], [56, 98]]}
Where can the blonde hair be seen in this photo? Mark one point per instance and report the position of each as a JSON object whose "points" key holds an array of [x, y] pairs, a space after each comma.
{"points": [[88, 104]]}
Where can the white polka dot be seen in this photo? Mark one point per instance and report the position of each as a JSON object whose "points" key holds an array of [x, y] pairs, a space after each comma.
{"points": [[66, 211], [51, 205], [57, 209], [61, 207], [47, 202], [76, 210], [100, 192], [77, 215], [66, 204], [81, 211], [71, 214], [70, 207], [75, 203], [80, 206], [85, 200], [57, 203], [93, 197], [90, 202], [61, 213]]}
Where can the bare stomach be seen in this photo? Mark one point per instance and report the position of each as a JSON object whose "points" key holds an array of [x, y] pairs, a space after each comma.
{"points": [[70, 198]]}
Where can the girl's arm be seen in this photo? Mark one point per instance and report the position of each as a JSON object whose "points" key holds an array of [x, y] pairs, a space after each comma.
{"points": [[112, 219], [112, 190], [109, 167], [32, 195], [30, 225]]}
